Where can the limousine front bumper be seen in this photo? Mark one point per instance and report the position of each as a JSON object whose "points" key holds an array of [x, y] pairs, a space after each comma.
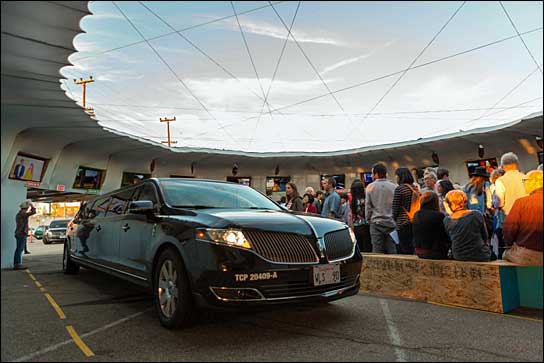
{"points": [[236, 278]]}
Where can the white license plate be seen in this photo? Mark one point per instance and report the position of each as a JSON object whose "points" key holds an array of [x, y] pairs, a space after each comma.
{"points": [[326, 274]]}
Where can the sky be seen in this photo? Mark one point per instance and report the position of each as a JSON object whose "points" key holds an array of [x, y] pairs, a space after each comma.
{"points": [[347, 75]]}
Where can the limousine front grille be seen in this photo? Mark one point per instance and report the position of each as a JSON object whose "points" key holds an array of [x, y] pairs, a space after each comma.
{"points": [[338, 245], [305, 287], [282, 247]]}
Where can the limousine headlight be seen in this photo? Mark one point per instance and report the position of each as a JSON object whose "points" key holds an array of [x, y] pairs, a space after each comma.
{"points": [[352, 235], [230, 237]]}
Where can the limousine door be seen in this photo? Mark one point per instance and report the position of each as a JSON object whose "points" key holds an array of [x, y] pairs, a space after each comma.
{"points": [[135, 232]]}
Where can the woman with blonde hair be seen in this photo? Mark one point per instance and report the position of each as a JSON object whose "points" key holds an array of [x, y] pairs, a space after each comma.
{"points": [[466, 229]]}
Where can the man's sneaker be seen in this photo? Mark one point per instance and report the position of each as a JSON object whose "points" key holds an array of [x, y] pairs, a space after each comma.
{"points": [[19, 267]]}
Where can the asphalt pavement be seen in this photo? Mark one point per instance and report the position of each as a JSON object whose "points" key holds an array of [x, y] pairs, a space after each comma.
{"points": [[106, 319]]}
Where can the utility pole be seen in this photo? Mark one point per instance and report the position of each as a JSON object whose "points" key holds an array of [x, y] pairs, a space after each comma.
{"points": [[168, 120], [84, 82]]}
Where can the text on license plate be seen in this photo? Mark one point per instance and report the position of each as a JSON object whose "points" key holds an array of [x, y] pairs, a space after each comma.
{"points": [[326, 274]]}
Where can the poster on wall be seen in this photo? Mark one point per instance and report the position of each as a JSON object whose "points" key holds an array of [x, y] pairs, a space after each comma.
{"points": [[276, 184], [489, 165], [28, 168], [244, 180], [89, 178], [133, 178]]}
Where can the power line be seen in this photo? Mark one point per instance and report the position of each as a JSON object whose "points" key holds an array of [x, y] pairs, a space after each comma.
{"points": [[172, 70], [520, 37], [180, 30], [314, 68], [229, 73], [275, 71], [411, 64]]}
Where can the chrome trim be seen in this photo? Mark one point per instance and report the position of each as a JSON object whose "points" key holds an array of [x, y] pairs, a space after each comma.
{"points": [[106, 267], [323, 294], [258, 255], [344, 258], [235, 288]]}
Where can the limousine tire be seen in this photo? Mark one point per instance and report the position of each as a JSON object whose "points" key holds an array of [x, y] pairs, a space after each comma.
{"points": [[172, 294], [46, 241], [68, 266]]}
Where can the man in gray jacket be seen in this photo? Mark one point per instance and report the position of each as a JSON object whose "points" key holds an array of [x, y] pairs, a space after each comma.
{"points": [[379, 211]]}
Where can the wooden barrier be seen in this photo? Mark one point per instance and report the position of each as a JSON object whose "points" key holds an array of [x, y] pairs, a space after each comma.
{"points": [[490, 286]]}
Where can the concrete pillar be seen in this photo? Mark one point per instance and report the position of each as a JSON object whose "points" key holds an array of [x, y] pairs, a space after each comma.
{"points": [[13, 193]]}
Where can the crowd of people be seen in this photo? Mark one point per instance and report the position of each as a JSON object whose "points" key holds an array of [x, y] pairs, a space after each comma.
{"points": [[438, 220]]}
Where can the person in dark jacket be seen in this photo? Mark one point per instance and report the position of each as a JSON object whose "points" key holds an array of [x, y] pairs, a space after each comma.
{"points": [[467, 230], [361, 227], [402, 202], [430, 237], [293, 200], [21, 233]]}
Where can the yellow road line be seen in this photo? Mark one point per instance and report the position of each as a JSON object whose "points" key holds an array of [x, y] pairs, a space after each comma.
{"points": [[487, 312], [42, 289], [55, 306], [38, 283], [32, 276], [80, 344]]}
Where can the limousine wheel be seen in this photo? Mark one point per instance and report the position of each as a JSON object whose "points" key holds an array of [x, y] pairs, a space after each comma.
{"points": [[173, 299], [46, 241], [68, 266]]}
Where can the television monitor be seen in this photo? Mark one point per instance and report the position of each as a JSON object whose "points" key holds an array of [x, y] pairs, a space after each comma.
{"points": [[489, 165], [540, 157], [244, 180], [133, 178], [89, 178], [28, 167], [276, 184], [366, 177], [340, 180]]}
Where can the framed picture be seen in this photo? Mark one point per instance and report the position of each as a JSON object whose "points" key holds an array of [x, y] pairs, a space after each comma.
{"points": [[244, 180], [89, 178], [489, 165], [133, 178], [366, 177], [276, 184], [28, 167]]}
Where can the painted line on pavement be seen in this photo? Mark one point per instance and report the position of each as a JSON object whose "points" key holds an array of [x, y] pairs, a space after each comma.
{"points": [[55, 306], [393, 332], [66, 342], [82, 346], [38, 284]]}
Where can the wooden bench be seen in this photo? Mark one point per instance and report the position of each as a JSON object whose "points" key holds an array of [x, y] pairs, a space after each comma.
{"points": [[497, 286]]}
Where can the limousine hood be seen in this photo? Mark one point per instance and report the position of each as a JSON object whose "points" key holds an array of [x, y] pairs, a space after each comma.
{"points": [[277, 221]]}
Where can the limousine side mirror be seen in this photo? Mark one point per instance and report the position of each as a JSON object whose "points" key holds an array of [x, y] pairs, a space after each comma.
{"points": [[141, 207]]}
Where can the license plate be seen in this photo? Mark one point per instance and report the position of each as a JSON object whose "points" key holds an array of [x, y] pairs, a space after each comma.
{"points": [[326, 274]]}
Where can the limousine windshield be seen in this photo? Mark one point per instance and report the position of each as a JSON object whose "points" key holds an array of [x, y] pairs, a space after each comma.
{"points": [[188, 194]]}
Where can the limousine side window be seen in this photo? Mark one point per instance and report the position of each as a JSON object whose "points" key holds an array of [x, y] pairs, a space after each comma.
{"points": [[101, 206], [147, 192], [119, 202]]}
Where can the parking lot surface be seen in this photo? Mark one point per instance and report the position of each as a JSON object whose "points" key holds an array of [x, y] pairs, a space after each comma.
{"points": [[106, 319]]}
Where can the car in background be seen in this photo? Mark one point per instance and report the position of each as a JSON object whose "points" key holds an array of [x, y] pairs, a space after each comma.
{"points": [[56, 231], [40, 231], [204, 243]]}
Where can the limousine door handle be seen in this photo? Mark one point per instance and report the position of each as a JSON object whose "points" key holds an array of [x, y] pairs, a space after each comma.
{"points": [[98, 228], [126, 227]]}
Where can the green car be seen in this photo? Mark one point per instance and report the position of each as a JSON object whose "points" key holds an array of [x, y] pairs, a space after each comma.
{"points": [[39, 231]]}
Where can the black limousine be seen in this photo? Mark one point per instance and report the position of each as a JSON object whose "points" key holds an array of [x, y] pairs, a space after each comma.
{"points": [[204, 243]]}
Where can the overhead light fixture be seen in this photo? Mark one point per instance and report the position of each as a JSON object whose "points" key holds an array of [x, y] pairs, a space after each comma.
{"points": [[277, 170], [481, 150], [435, 158], [539, 142], [234, 169]]}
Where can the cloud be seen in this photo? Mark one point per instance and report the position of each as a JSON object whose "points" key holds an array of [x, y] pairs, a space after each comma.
{"points": [[345, 62], [279, 32]]}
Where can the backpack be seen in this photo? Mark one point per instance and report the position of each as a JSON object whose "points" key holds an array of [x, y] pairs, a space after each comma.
{"points": [[415, 205]]}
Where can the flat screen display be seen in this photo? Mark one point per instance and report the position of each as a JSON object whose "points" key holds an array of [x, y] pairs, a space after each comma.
{"points": [[240, 180], [89, 178], [27, 167], [340, 180], [489, 165], [540, 157], [366, 177], [276, 184], [133, 178]]}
